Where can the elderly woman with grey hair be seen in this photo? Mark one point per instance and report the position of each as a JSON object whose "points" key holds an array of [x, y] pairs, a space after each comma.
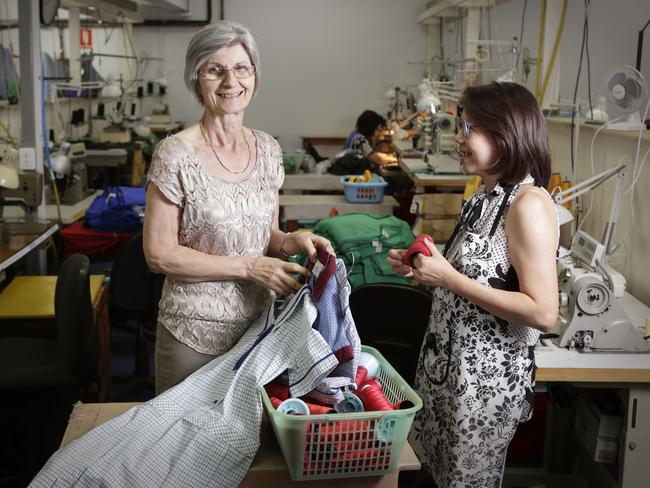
{"points": [[211, 224]]}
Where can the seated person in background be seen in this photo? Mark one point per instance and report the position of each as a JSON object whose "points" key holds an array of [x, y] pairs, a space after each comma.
{"points": [[366, 136]]}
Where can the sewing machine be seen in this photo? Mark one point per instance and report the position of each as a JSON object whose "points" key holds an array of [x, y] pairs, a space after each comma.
{"points": [[439, 156], [71, 174], [591, 316]]}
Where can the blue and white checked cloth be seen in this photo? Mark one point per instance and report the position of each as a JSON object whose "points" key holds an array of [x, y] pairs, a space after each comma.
{"points": [[204, 432]]}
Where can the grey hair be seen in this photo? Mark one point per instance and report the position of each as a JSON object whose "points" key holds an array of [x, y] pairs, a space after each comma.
{"points": [[210, 39]]}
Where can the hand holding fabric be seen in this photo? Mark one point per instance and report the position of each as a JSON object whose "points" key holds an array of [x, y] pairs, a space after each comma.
{"points": [[275, 274], [307, 242]]}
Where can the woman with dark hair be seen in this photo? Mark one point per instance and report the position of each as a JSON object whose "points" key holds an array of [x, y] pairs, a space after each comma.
{"points": [[494, 290], [363, 140]]}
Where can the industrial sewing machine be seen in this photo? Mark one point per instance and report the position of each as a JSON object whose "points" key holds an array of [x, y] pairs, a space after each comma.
{"points": [[591, 316], [442, 156], [70, 173]]}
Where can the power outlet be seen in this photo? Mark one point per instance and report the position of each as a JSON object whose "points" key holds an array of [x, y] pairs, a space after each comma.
{"points": [[27, 158]]}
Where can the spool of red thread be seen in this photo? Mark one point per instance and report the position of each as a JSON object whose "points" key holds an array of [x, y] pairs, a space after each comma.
{"points": [[418, 247], [373, 398]]}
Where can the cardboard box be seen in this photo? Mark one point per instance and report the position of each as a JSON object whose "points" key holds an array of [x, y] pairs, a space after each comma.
{"points": [[439, 229], [597, 430], [441, 204]]}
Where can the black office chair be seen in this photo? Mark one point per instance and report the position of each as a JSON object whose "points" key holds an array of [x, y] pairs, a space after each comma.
{"points": [[134, 295], [41, 379], [30, 364], [392, 318]]}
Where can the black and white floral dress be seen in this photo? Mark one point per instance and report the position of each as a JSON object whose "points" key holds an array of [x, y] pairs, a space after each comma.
{"points": [[476, 372]]}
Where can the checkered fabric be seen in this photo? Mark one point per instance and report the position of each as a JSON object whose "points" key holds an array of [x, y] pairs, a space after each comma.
{"points": [[336, 325], [204, 431]]}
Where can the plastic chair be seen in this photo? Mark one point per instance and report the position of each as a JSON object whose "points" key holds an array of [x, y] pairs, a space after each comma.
{"points": [[134, 295], [392, 318]]}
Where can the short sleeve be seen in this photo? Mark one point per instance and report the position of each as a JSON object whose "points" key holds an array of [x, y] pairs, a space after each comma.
{"points": [[164, 171], [277, 168], [361, 145]]}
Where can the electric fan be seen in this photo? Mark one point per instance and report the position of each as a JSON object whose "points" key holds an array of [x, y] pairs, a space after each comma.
{"points": [[626, 91]]}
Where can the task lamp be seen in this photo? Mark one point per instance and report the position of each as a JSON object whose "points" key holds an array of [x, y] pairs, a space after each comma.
{"points": [[588, 185]]}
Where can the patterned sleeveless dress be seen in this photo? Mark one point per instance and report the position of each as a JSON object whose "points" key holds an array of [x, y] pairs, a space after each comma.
{"points": [[476, 372]]}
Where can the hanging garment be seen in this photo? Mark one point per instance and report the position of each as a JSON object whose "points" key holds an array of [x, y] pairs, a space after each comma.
{"points": [[475, 373], [331, 295], [204, 431]]}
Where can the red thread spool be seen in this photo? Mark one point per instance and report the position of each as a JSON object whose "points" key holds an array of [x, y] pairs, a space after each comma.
{"points": [[373, 398], [418, 247], [362, 372], [315, 409], [277, 390], [275, 402]]}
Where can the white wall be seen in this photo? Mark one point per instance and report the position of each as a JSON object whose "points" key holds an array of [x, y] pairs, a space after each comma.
{"points": [[613, 30], [323, 62]]}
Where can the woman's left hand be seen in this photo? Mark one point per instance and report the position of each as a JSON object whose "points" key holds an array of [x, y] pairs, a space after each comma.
{"points": [[308, 242], [434, 270]]}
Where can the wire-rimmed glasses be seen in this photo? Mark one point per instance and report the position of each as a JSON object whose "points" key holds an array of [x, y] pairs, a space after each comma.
{"points": [[213, 72]]}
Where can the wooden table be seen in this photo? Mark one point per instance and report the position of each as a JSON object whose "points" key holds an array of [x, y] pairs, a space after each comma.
{"points": [[415, 170], [627, 373], [312, 182], [27, 309], [316, 207], [23, 238], [268, 468]]}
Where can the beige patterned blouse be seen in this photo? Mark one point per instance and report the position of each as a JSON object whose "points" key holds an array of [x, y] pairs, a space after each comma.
{"points": [[221, 218]]}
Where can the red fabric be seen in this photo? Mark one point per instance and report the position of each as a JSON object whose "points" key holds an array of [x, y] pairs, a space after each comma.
{"points": [[84, 240], [416, 248]]}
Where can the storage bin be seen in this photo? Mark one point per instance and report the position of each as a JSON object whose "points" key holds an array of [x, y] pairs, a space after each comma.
{"points": [[369, 192], [345, 445]]}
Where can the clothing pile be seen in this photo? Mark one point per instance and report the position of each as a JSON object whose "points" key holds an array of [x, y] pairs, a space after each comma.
{"points": [[362, 241], [117, 209], [205, 431]]}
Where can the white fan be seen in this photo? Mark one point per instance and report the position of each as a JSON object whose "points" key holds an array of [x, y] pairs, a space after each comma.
{"points": [[626, 91]]}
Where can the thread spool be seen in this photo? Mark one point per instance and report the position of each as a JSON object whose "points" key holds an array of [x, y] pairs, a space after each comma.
{"points": [[351, 403], [369, 362], [417, 247], [373, 398], [362, 373], [293, 406], [315, 409]]}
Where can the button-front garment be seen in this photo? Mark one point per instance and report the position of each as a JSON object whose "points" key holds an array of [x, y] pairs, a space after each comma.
{"points": [[476, 371], [205, 431]]}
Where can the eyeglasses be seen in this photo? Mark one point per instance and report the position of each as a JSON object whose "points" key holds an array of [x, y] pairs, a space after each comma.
{"points": [[213, 72], [464, 127]]}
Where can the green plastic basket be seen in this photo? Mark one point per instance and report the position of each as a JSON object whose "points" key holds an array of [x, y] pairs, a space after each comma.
{"points": [[345, 445]]}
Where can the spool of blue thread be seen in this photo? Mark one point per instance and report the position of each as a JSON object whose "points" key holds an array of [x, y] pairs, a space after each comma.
{"points": [[293, 406]]}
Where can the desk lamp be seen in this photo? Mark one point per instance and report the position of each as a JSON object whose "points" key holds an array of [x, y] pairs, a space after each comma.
{"points": [[591, 184]]}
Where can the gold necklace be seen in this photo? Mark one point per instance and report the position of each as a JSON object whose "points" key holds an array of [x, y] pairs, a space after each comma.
{"points": [[207, 141]]}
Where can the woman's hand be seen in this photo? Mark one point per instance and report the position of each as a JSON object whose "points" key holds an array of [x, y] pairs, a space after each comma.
{"points": [[434, 270], [274, 274], [396, 260], [385, 158], [305, 241]]}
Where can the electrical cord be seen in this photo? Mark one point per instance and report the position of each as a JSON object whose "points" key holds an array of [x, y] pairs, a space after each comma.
{"points": [[575, 91], [521, 34]]}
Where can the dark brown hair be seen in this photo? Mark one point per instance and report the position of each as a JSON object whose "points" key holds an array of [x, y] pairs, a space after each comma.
{"points": [[510, 115]]}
